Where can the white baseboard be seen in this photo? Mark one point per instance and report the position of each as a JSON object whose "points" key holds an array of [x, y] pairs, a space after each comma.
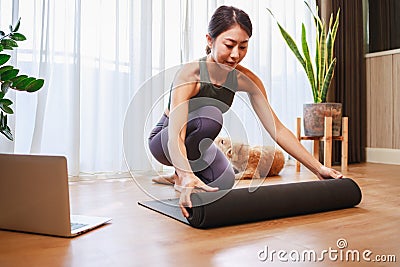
{"points": [[383, 155]]}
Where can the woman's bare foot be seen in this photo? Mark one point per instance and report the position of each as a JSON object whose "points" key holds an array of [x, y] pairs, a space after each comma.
{"points": [[166, 179], [171, 179]]}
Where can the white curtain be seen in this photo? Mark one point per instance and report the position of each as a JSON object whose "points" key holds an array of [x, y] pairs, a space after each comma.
{"points": [[96, 56]]}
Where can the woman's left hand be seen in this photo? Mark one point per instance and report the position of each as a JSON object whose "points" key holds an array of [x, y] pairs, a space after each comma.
{"points": [[328, 173]]}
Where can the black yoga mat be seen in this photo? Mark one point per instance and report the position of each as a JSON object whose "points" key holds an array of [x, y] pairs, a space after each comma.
{"points": [[243, 205]]}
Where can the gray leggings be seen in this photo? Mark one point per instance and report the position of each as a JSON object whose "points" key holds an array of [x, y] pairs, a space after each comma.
{"points": [[206, 160]]}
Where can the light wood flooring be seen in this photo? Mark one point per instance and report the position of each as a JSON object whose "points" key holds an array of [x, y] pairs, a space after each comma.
{"points": [[141, 237]]}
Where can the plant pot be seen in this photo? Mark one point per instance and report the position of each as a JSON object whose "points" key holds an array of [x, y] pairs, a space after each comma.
{"points": [[314, 118]]}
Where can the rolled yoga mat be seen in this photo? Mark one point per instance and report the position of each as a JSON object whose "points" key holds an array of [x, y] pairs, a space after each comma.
{"points": [[244, 205]]}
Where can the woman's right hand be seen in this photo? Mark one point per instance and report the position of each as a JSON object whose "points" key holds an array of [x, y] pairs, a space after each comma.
{"points": [[186, 187]]}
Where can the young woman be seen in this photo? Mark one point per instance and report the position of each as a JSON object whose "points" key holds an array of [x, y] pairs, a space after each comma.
{"points": [[202, 91]]}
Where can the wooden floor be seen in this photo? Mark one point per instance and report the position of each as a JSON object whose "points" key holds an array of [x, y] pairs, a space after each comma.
{"points": [[141, 237]]}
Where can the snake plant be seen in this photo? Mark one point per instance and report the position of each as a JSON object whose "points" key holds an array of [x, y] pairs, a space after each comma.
{"points": [[320, 72], [9, 78]]}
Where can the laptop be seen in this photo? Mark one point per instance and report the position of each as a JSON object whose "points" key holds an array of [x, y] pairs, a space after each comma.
{"points": [[34, 197]]}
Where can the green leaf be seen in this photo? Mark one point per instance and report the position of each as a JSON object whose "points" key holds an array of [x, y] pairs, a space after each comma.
{"points": [[327, 80], [7, 47], [307, 57], [335, 28], [3, 120], [2, 94], [317, 20], [322, 62], [330, 22], [330, 39], [292, 45], [290, 42], [304, 44], [9, 43], [4, 58], [4, 105], [329, 50], [317, 64], [18, 37], [5, 86], [35, 85], [9, 74], [6, 102], [5, 68], [309, 8], [15, 28], [17, 79], [7, 133], [319, 53], [4, 129], [1, 47], [23, 83]]}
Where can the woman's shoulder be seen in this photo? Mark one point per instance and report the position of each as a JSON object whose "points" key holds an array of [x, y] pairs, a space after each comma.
{"points": [[246, 76], [189, 72]]}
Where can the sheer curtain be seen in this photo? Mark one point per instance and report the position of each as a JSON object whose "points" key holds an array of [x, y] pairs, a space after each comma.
{"points": [[97, 58]]}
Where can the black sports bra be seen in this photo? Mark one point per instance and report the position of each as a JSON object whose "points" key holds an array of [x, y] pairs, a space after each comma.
{"points": [[211, 95]]}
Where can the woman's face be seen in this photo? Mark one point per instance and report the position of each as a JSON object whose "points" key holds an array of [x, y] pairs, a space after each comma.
{"points": [[230, 47]]}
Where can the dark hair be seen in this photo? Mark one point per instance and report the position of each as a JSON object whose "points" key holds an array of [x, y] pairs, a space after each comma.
{"points": [[224, 18]]}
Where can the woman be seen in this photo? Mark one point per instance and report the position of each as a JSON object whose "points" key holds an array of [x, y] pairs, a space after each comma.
{"points": [[201, 92]]}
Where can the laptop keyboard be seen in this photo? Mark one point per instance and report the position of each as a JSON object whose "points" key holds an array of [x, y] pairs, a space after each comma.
{"points": [[75, 226]]}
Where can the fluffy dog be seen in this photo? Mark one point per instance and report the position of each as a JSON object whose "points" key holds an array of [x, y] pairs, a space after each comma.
{"points": [[251, 161]]}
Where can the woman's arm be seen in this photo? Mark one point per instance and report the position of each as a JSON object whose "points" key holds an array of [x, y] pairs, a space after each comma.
{"points": [[184, 88], [283, 136]]}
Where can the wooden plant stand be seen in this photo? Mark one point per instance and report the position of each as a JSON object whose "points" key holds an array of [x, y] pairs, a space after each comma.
{"points": [[327, 139]]}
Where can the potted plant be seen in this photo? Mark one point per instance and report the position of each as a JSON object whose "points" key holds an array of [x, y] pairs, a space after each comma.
{"points": [[319, 72], [9, 78]]}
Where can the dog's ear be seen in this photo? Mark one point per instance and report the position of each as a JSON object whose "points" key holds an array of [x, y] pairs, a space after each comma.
{"points": [[229, 153]]}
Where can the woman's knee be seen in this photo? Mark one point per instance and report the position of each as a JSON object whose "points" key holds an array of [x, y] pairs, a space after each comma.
{"points": [[226, 180], [219, 172], [205, 121], [207, 111]]}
